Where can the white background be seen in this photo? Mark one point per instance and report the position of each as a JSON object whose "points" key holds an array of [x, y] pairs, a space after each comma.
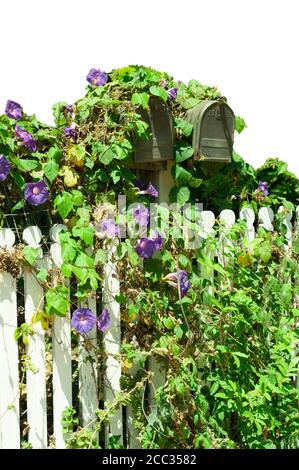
{"points": [[248, 48]]}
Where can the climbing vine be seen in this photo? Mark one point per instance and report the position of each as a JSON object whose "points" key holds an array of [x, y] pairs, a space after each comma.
{"points": [[226, 343]]}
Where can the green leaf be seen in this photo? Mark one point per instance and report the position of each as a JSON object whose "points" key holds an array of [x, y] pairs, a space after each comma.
{"points": [[51, 170], [181, 175], [11, 143], [78, 198], [30, 254], [168, 323], [84, 261], [57, 301], [106, 155], [221, 395], [18, 205], [214, 388], [183, 151], [55, 154], [66, 269], [240, 124], [178, 332], [59, 116], [190, 103], [295, 245], [183, 195], [184, 126], [85, 233], [183, 261], [81, 274], [159, 91], [121, 299], [121, 250], [176, 350], [69, 247], [240, 354], [64, 204], [115, 176], [25, 165], [42, 275], [265, 252], [101, 257], [19, 180], [140, 99]]}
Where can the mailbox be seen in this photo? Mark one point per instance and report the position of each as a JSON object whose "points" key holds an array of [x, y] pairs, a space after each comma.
{"points": [[213, 130], [159, 147]]}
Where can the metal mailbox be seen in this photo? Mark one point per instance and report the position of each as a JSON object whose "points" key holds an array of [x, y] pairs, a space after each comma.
{"points": [[159, 147], [213, 130]]}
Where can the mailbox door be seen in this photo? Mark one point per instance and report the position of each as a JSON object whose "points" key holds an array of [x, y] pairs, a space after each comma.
{"points": [[213, 130], [159, 147]]}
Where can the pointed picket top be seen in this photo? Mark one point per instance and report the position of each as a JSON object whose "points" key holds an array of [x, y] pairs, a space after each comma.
{"points": [[227, 218], [287, 221], [32, 236], [248, 215], [266, 217], [55, 248], [207, 223], [7, 238], [55, 231]]}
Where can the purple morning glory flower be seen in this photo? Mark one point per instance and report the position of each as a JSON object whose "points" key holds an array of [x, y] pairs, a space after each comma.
{"points": [[71, 131], [146, 189], [151, 190], [97, 77], [13, 110], [140, 185], [36, 193], [104, 321], [163, 83], [263, 186], [4, 168], [156, 237], [146, 247], [107, 229], [179, 280], [27, 138], [141, 215], [70, 108], [172, 93], [83, 320]]}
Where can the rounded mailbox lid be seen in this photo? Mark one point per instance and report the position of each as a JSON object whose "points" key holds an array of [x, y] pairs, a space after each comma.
{"points": [[213, 130], [159, 146]]}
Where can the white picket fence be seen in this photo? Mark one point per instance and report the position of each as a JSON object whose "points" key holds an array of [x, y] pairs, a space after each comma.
{"points": [[36, 394]]}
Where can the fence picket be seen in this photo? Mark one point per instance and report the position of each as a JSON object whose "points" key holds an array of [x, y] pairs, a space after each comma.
{"points": [[9, 366], [36, 377], [206, 230], [61, 338], [62, 360], [88, 377], [132, 432], [287, 216], [112, 343], [266, 217], [227, 219], [248, 215]]}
